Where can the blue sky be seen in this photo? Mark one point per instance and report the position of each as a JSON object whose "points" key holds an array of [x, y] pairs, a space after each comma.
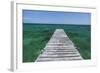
{"points": [[53, 17]]}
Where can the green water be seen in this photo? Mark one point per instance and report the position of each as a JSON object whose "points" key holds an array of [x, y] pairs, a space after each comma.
{"points": [[35, 37]]}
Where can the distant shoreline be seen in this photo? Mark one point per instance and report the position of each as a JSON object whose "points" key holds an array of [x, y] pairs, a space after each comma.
{"points": [[54, 24]]}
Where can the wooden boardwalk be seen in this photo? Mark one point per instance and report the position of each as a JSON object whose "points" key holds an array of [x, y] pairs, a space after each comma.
{"points": [[59, 48]]}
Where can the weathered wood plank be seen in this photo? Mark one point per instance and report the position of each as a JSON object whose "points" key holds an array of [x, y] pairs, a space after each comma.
{"points": [[59, 48]]}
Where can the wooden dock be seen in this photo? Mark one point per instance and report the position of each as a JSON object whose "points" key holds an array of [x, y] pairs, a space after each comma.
{"points": [[59, 48]]}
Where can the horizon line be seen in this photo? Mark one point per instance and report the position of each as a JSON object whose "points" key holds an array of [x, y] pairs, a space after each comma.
{"points": [[56, 23]]}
